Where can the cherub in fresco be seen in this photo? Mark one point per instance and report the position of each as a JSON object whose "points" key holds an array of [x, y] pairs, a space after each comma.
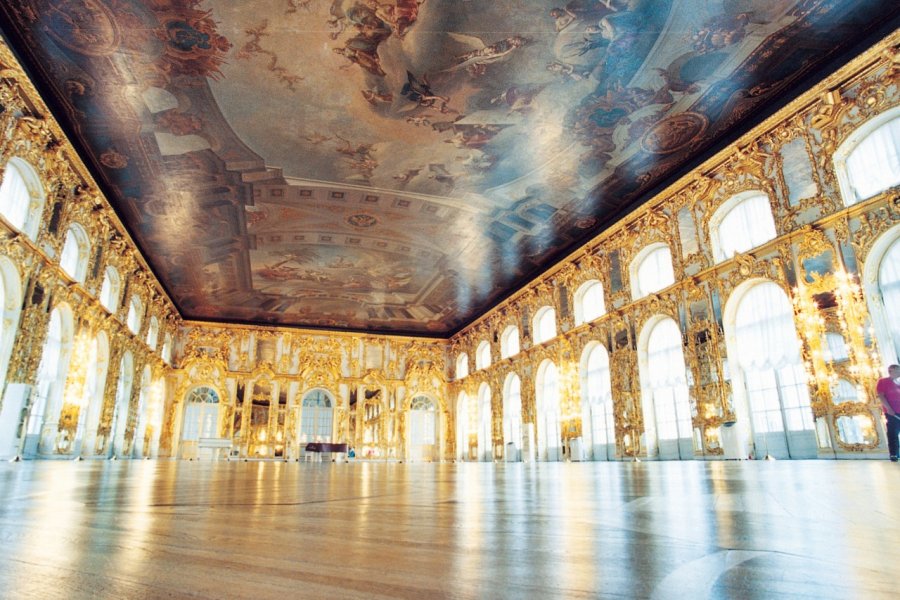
{"points": [[374, 97], [720, 31], [360, 51], [418, 121], [316, 138], [517, 99], [563, 17], [476, 161], [473, 136], [567, 70], [420, 92], [407, 176], [279, 272], [482, 54], [439, 173], [401, 15], [358, 151], [296, 5]]}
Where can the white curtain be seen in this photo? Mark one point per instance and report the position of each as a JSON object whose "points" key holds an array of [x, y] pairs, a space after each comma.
{"points": [[665, 357], [844, 392], [889, 284], [764, 327], [592, 304], [462, 366], [837, 348], [599, 391], [512, 413], [68, 260], [655, 272], [14, 197], [546, 325], [874, 165], [483, 356], [509, 344], [746, 226]]}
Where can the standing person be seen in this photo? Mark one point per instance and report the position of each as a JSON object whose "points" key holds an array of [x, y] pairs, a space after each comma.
{"points": [[888, 390]]}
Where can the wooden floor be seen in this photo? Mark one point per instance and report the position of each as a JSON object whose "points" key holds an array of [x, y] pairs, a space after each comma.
{"points": [[148, 529]]}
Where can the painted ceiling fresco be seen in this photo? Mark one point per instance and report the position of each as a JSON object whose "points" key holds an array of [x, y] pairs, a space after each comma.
{"points": [[401, 165]]}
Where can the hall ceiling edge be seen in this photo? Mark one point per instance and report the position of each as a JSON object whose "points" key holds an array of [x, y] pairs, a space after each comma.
{"points": [[400, 167]]}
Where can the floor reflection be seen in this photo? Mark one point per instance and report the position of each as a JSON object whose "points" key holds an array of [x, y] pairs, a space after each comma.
{"points": [[145, 529]]}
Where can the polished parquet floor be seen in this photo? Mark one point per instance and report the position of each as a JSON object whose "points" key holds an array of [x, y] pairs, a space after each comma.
{"points": [[165, 529]]}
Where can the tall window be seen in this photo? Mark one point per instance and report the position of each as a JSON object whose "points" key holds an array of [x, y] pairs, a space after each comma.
{"points": [[544, 325], [889, 286], [548, 412], [422, 422], [589, 303], [135, 315], [483, 356], [51, 373], [741, 224], [75, 252], [109, 289], [201, 414], [153, 333], [317, 417], [512, 416], [667, 385], [768, 353], [166, 352], [484, 423], [868, 161], [462, 426], [651, 271], [600, 423], [462, 366], [21, 197], [509, 342]]}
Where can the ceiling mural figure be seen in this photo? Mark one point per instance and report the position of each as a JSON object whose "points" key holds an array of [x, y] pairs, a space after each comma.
{"points": [[402, 165]]}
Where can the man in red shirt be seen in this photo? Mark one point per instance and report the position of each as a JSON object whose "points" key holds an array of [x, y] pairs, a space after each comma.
{"points": [[889, 393]]}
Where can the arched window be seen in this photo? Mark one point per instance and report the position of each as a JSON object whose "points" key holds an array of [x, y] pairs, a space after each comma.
{"points": [[666, 395], [21, 197], [512, 417], [140, 446], [741, 224], [548, 412], [589, 303], [10, 309], [317, 418], [462, 426], [110, 288], [201, 414], [837, 348], [544, 325], [95, 382], [135, 315], [462, 366], [763, 340], [598, 423], [166, 352], [153, 333], [485, 450], [651, 270], [75, 253], [483, 356], [423, 429], [123, 403], [889, 286], [509, 342], [868, 161], [47, 400]]}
